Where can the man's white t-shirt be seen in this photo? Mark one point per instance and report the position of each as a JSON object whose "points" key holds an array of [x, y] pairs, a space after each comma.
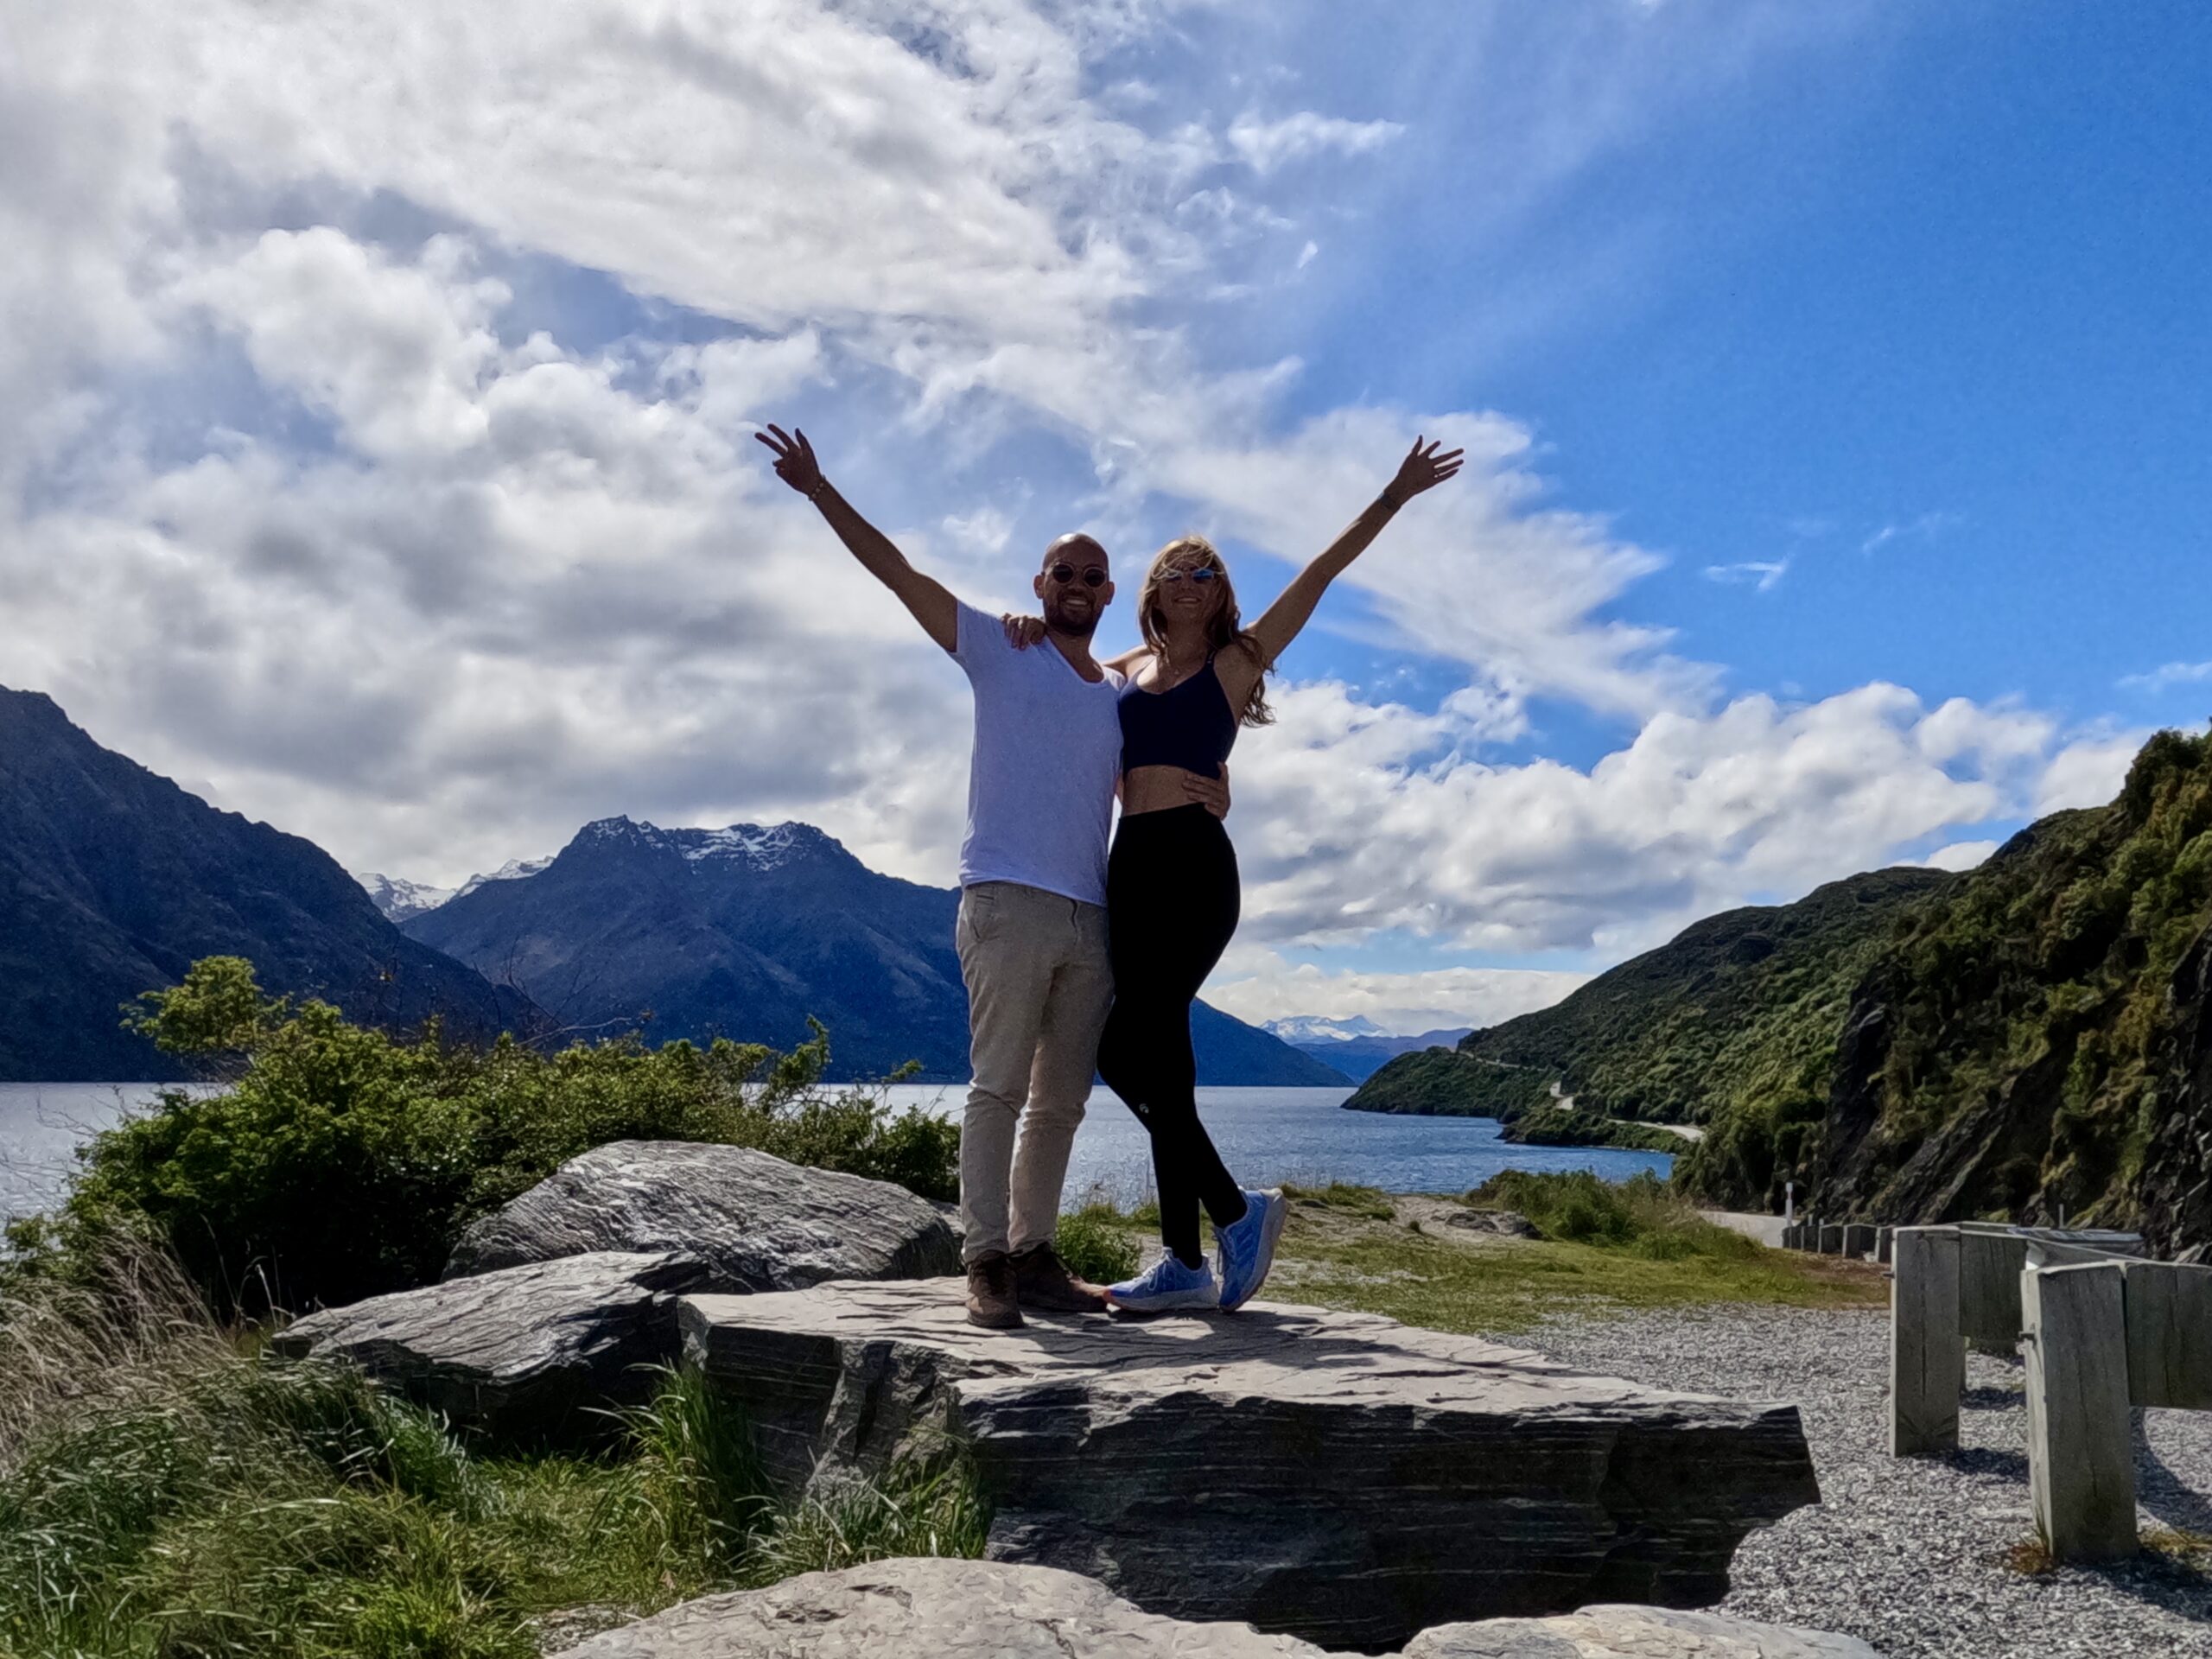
{"points": [[1041, 782]]}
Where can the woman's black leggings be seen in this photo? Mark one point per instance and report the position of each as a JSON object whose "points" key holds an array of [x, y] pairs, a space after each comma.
{"points": [[1171, 905]]}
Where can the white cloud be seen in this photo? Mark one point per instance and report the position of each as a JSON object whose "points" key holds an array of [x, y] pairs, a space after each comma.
{"points": [[1263, 985], [1759, 573], [1961, 855], [1267, 145], [534, 576], [2166, 677], [1926, 527], [2087, 771]]}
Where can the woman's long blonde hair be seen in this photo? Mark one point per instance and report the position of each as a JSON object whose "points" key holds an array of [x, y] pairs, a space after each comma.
{"points": [[1223, 628]]}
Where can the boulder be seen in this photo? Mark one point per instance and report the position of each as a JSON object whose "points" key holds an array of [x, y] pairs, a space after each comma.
{"points": [[756, 1222], [1336, 1476], [1626, 1632], [520, 1353], [983, 1609]]}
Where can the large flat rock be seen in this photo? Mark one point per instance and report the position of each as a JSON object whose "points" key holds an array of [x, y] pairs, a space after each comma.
{"points": [[1630, 1632], [1336, 1476], [518, 1354], [979, 1610], [756, 1222]]}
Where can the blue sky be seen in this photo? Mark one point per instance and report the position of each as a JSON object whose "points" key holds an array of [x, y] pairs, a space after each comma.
{"points": [[378, 400]]}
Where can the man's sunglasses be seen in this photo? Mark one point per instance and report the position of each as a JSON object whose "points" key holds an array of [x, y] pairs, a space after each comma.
{"points": [[1204, 573], [1093, 577]]}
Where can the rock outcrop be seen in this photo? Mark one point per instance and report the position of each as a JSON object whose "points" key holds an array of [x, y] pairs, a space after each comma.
{"points": [[1335, 1475], [978, 1610], [518, 1354], [1628, 1632], [2174, 1192], [754, 1222]]}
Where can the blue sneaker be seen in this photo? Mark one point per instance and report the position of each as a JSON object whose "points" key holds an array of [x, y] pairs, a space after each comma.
{"points": [[1247, 1246], [1166, 1287]]}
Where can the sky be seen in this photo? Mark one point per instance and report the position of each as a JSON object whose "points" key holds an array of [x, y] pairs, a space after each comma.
{"points": [[377, 385]]}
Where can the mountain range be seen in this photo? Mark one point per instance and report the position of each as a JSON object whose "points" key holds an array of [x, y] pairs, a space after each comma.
{"points": [[746, 931], [113, 880], [1356, 1047]]}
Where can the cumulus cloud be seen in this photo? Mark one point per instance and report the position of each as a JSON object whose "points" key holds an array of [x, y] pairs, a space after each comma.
{"points": [[310, 493]]}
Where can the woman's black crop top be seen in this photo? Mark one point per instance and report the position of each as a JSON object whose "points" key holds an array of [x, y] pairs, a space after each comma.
{"points": [[1189, 725]]}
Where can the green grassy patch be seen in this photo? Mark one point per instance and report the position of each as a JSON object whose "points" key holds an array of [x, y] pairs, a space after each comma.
{"points": [[189, 1499], [1609, 1248]]}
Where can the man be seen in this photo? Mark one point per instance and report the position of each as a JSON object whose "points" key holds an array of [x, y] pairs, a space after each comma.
{"points": [[1032, 928]]}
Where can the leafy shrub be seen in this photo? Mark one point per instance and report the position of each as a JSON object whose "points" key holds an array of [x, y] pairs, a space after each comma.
{"points": [[339, 1162], [1095, 1242], [1641, 1215]]}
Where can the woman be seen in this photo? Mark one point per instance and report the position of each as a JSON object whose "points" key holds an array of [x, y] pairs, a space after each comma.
{"points": [[1172, 895]]}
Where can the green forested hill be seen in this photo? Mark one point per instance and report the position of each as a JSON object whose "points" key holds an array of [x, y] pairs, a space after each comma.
{"points": [[2019, 1048], [2030, 1036], [1741, 1007]]}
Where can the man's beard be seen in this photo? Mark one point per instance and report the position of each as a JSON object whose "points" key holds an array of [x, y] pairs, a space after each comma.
{"points": [[1057, 620]]}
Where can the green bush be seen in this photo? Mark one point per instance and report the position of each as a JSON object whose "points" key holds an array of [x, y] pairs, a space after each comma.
{"points": [[1641, 1215], [1095, 1242], [339, 1162]]}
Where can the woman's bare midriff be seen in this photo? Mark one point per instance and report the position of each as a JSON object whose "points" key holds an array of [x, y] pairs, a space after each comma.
{"points": [[1153, 789]]}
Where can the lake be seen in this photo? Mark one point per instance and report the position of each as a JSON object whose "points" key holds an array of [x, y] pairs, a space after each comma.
{"points": [[1267, 1136]]}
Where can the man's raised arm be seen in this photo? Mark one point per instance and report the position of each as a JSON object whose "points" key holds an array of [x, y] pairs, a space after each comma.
{"points": [[931, 605]]}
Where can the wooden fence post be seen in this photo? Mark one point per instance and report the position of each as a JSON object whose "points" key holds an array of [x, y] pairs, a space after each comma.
{"points": [[1857, 1241], [1928, 1361], [2081, 1453]]}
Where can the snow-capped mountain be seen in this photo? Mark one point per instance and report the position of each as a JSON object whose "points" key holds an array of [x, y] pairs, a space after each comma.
{"points": [[397, 898], [1317, 1028], [1356, 1047], [514, 870], [745, 932]]}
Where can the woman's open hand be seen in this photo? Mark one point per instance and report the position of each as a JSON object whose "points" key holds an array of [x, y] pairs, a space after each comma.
{"points": [[1022, 632], [795, 461], [1423, 468]]}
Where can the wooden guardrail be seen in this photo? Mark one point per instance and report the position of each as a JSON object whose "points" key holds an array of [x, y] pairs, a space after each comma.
{"points": [[2101, 1331]]}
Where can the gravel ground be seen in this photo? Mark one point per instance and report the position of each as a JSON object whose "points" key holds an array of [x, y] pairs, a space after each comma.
{"points": [[1907, 1554]]}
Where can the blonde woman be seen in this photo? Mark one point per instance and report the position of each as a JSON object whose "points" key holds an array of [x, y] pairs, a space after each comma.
{"points": [[1172, 895]]}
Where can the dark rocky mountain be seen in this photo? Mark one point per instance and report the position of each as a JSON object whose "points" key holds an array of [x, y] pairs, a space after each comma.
{"points": [[746, 931], [113, 880]]}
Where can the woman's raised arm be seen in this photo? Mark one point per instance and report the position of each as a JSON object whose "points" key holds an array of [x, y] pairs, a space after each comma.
{"points": [[1423, 468]]}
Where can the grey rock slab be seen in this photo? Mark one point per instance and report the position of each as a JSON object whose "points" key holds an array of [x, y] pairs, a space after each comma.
{"points": [[1337, 1476], [929, 1610], [989, 1610], [1630, 1632], [520, 1353], [756, 1222]]}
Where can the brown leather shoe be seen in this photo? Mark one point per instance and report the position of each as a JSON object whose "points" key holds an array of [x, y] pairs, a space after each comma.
{"points": [[991, 1301], [1042, 1280]]}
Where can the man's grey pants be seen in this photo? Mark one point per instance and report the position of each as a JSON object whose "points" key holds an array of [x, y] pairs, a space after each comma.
{"points": [[1039, 986]]}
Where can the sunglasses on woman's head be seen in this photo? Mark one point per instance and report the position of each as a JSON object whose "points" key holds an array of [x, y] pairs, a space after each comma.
{"points": [[1204, 573]]}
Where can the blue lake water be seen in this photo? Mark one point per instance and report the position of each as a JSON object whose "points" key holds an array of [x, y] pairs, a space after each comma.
{"points": [[1267, 1136]]}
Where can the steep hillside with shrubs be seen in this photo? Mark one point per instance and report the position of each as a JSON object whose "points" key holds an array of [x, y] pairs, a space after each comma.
{"points": [[1742, 1010], [2032, 1043]]}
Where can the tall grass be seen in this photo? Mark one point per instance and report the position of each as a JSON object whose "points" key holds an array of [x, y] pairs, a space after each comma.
{"points": [[167, 1494], [1642, 1215]]}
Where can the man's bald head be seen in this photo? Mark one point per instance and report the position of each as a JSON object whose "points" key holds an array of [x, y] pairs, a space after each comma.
{"points": [[1073, 601]]}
